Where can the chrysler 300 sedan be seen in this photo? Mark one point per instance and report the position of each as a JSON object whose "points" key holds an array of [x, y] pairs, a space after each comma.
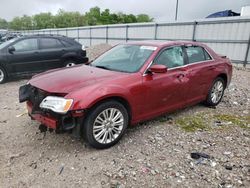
{"points": [[128, 84]]}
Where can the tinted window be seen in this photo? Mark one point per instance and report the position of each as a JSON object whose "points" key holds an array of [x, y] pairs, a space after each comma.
{"points": [[171, 57], [66, 44], [197, 54], [26, 45], [50, 43]]}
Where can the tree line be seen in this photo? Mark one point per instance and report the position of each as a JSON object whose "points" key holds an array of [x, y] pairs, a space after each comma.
{"points": [[95, 16]]}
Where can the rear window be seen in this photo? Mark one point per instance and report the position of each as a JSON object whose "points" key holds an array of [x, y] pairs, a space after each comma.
{"points": [[49, 43], [197, 54]]}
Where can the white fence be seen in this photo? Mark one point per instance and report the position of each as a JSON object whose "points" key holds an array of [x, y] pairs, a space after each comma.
{"points": [[228, 36]]}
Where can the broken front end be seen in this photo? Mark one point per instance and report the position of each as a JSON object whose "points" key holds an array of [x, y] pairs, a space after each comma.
{"points": [[52, 110]]}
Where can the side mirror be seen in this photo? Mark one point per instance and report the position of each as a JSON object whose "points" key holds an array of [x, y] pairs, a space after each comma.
{"points": [[158, 69], [11, 49]]}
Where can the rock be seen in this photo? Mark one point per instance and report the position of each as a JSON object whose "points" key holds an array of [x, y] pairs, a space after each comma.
{"points": [[227, 153], [153, 172], [213, 164], [245, 112], [227, 167]]}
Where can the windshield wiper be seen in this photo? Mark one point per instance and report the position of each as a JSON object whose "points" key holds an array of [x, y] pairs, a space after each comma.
{"points": [[102, 67]]}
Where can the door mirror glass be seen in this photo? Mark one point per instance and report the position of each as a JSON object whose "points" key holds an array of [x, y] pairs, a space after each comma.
{"points": [[11, 49], [158, 69]]}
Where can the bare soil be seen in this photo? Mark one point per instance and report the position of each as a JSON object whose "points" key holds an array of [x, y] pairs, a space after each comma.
{"points": [[155, 153]]}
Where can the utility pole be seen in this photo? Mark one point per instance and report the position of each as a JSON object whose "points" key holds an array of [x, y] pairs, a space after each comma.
{"points": [[176, 10]]}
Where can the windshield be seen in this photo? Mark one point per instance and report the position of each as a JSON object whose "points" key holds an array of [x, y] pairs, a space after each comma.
{"points": [[124, 58], [4, 44]]}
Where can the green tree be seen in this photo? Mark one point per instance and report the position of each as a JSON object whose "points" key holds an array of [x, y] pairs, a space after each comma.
{"points": [[43, 21], [3, 24], [16, 23], [144, 18], [93, 16], [68, 19], [72, 19]]}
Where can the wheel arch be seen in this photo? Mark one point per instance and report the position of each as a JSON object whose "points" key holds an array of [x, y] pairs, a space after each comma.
{"points": [[119, 99], [224, 77], [69, 56], [5, 69]]}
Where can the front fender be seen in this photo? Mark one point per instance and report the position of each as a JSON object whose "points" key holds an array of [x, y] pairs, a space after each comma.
{"points": [[87, 97]]}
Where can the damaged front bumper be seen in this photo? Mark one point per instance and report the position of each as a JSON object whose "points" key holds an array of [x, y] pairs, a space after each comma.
{"points": [[54, 121]]}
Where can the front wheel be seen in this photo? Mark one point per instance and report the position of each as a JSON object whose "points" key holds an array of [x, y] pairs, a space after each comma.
{"points": [[216, 92], [3, 75], [105, 125]]}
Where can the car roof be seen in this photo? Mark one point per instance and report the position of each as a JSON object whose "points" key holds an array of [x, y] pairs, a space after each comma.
{"points": [[71, 40], [162, 43]]}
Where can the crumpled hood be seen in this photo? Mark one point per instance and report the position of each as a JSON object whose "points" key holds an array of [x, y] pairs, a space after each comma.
{"points": [[67, 80]]}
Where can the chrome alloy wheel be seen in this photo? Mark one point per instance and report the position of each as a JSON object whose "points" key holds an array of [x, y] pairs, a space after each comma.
{"points": [[108, 125], [217, 91], [1, 75]]}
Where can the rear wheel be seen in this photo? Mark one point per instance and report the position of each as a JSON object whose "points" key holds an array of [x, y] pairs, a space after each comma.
{"points": [[216, 92], [105, 124], [3, 75], [70, 63]]}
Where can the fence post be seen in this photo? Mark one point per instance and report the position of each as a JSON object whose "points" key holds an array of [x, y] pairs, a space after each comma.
{"points": [[194, 31], [247, 52], [127, 33], [66, 32], [90, 37], [78, 36], [156, 28], [107, 34]]}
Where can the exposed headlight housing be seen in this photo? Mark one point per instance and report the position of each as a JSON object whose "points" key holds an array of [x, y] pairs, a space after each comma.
{"points": [[57, 104]]}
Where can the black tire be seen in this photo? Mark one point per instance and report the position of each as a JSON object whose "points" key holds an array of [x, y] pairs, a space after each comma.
{"points": [[3, 75], [70, 63], [209, 101], [88, 125]]}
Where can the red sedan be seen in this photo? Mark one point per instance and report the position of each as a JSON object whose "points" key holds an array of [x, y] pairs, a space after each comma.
{"points": [[128, 84]]}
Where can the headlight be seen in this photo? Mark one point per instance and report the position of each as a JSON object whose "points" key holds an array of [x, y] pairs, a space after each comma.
{"points": [[56, 104]]}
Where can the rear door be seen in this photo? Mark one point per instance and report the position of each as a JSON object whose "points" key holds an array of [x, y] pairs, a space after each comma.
{"points": [[51, 51], [25, 58], [166, 91], [200, 72]]}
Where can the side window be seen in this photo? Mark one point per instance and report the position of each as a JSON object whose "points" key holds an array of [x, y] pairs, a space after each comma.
{"points": [[171, 57], [66, 44], [26, 45], [49, 43], [197, 54]]}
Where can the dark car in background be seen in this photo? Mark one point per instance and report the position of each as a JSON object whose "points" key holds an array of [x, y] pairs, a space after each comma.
{"points": [[37, 53]]}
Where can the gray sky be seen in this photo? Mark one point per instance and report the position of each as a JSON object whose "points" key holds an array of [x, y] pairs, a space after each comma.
{"points": [[161, 10]]}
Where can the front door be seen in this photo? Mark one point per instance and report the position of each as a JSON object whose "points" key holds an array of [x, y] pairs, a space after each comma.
{"points": [[25, 57], [166, 91]]}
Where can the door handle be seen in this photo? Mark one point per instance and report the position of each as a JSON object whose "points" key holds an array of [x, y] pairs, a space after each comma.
{"points": [[180, 76]]}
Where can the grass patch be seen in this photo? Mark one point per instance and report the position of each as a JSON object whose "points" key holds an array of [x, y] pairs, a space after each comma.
{"points": [[242, 121], [193, 123], [202, 121]]}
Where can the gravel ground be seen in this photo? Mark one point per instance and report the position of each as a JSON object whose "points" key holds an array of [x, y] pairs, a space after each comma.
{"points": [[152, 154]]}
